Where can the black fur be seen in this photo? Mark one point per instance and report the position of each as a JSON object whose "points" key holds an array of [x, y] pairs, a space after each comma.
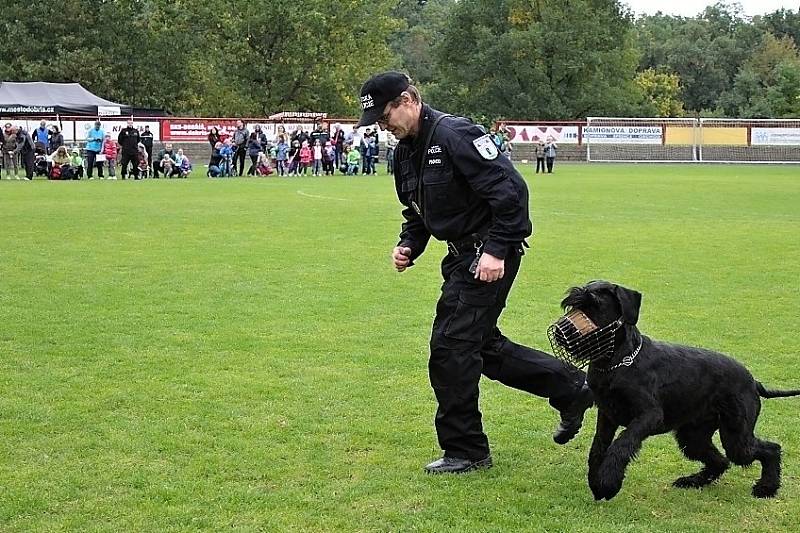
{"points": [[692, 392]]}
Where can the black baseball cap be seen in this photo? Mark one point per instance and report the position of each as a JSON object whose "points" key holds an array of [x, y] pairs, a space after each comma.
{"points": [[378, 91]]}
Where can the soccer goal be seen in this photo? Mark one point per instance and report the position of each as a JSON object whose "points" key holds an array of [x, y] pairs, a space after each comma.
{"points": [[749, 141], [665, 140], [677, 140]]}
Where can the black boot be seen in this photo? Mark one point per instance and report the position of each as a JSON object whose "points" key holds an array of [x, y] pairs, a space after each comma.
{"points": [[572, 416], [457, 465]]}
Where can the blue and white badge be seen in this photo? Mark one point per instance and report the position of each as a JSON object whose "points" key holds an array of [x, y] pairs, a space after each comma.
{"points": [[486, 147]]}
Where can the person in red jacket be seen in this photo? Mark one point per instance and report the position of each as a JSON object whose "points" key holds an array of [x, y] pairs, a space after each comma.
{"points": [[110, 151]]}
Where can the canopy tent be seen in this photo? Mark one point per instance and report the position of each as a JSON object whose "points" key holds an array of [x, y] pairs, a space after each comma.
{"points": [[40, 98]]}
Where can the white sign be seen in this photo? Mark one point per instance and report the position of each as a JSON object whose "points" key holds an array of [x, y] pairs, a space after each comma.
{"points": [[521, 134], [782, 136], [108, 111], [113, 127], [623, 134]]}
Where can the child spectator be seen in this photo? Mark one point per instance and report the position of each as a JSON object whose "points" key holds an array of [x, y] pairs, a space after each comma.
{"points": [[226, 152], [305, 157], [294, 158], [185, 168], [263, 166], [328, 157], [142, 162], [167, 166], [110, 151], [317, 170], [281, 154], [75, 165], [353, 159]]}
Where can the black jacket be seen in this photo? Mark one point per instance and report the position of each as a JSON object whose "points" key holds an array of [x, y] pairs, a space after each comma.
{"points": [[146, 138], [128, 140], [466, 187]]}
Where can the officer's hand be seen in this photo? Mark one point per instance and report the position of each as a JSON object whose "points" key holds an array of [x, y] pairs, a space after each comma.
{"points": [[490, 268], [401, 255]]}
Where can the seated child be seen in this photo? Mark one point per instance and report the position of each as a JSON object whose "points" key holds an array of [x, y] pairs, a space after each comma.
{"points": [[185, 167], [353, 159], [167, 165], [263, 167]]}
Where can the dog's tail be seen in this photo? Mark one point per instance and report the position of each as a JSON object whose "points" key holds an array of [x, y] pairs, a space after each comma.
{"points": [[766, 393]]}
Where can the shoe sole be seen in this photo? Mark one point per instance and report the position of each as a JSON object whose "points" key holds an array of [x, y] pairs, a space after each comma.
{"points": [[485, 464]]}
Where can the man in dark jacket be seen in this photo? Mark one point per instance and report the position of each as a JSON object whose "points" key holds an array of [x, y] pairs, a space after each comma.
{"points": [[456, 188], [241, 136], [25, 148], [146, 138], [128, 142]]}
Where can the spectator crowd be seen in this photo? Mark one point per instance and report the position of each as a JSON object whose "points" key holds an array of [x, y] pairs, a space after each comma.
{"points": [[319, 152]]}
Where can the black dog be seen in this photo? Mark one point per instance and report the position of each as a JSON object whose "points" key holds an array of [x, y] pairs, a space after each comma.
{"points": [[652, 387]]}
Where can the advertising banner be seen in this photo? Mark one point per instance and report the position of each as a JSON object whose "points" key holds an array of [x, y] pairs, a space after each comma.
{"points": [[113, 127], [779, 136], [521, 134], [194, 129], [623, 134]]}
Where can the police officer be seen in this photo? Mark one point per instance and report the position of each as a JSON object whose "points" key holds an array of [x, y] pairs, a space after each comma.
{"points": [[456, 188]]}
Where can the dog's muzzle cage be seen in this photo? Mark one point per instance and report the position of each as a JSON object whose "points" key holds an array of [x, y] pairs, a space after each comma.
{"points": [[578, 341]]}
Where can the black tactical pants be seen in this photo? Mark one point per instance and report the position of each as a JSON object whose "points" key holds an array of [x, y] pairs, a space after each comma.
{"points": [[466, 342]]}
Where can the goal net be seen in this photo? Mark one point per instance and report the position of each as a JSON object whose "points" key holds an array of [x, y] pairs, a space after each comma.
{"points": [[692, 140], [671, 140], [750, 141]]}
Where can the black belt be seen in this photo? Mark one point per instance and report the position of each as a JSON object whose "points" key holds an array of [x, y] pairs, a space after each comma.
{"points": [[470, 244]]}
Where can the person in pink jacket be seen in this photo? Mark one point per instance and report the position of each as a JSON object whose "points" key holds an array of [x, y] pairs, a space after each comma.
{"points": [[109, 150], [305, 158]]}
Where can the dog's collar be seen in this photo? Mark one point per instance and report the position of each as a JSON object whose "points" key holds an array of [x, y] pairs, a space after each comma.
{"points": [[628, 359]]}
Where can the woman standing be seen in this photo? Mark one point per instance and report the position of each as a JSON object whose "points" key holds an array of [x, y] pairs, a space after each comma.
{"points": [[550, 148], [253, 148]]}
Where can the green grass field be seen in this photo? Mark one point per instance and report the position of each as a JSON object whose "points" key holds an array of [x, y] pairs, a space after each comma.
{"points": [[238, 355]]}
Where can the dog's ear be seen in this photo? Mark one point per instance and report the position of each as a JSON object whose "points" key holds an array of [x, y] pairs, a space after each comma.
{"points": [[630, 301]]}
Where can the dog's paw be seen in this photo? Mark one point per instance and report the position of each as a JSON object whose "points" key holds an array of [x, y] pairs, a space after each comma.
{"points": [[605, 488], [694, 481], [608, 483], [764, 491]]}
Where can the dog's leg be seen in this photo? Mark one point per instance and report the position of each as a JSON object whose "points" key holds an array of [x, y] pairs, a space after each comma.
{"points": [[743, 447], [603, 436], [625, 448], [696, 444]]}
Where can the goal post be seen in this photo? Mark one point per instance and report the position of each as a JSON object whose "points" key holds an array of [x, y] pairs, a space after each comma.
{"points": [[653, 140], [690, 140]]}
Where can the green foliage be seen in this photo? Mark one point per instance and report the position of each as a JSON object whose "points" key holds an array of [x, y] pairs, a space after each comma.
{"points": [[488, 59], [537, 59], [767, 85], [662, 91]]}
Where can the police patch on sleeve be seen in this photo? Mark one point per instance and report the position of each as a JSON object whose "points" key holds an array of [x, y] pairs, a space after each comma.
{"points": [[486, 147]]}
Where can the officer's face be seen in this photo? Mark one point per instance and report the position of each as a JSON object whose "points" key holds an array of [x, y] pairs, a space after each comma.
{"points": [[401, 119]]}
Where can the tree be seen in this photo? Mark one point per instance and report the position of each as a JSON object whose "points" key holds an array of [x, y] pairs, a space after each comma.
{"points": [[413, 43], [768, 84], [536, 58], [706, 52], [662, 91], [783, 23]]}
